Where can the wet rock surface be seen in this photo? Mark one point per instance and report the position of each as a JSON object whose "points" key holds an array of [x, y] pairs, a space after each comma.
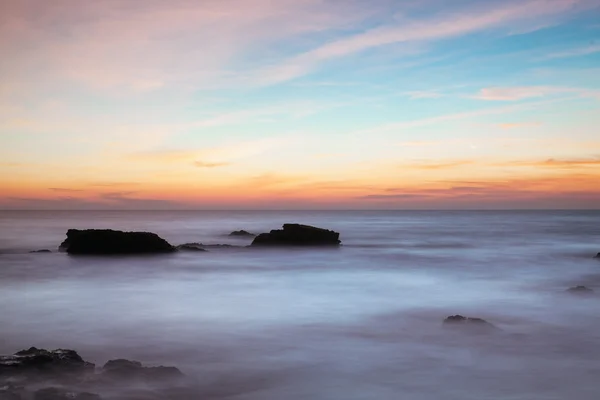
{"points": [[36, 361], [298, 235], [111, 242], [469, 324]]}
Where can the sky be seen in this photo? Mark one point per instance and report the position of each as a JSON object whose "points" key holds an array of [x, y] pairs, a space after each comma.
{"points": [[299, 104]]}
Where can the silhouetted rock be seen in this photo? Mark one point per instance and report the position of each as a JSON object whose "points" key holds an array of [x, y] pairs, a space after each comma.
{"points": [[580, 290], [597, 255], [62, 394], [108, 241], [41, 251], [298, 235], [191, 247], [475, 324], [126, 369], [241, 233], [40, 361]]}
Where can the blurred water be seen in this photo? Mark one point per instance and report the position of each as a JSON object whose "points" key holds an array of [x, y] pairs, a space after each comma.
{"points": [[359, 322]]}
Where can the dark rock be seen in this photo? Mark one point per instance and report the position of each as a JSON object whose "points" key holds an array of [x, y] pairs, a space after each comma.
{"points": [[580, 290], [191, 247], [40, 361], [241, 233], [61, 394], [476, 324], [107, 241], [298, 235], [597, 255], [41, 251], [126, 369]]}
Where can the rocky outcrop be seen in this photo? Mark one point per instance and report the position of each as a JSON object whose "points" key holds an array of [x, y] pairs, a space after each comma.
{"points": [[109, 242], [191, 247], [41, 251], [40, 374], [126, 369], [597, 255], [298, 235], [580, 290], [469, 323], [242, 233], [39, 361]]}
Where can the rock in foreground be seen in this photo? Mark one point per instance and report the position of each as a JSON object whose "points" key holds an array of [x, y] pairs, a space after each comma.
{"points": [[597, 255], [298, 235], [474, 324], [39, 361], [108, 241]]}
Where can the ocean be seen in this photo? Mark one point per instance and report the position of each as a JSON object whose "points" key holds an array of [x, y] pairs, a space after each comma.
{"points": [[360, 322]]}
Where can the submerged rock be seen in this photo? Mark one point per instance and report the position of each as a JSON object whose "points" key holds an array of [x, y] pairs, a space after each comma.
{"points": [[476, 324], [41, 251], [126, 369], [39, 361], [53, 393], [298, 235], [108, 241], [241, 233], [191, 247], [580, 290]]}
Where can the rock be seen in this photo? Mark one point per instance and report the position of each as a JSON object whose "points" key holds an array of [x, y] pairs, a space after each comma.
{"points": [[126, 369], [39, 361], [298, 235], [476, 324], [108, 241], [61, 394], [41, 251], [241, 233], [191, 247], [580, 290], [597, 255]]}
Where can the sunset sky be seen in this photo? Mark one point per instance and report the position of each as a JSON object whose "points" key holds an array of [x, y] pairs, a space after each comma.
{"points": [[299, 104]]}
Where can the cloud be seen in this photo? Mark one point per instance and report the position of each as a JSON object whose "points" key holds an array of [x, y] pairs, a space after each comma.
{"points": [[516, 93], [203, 164], [557, 163], [516, 125], [424, 94], [434, 166], [574, 52], [65, 190], [113, 184], [507, 15]]}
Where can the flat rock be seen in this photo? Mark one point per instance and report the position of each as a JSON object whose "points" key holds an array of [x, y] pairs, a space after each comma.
{"points": [[241, 233], [580, 290], [474, 324], [127, 369], [110, 242], [298, 235], [41, 251]]}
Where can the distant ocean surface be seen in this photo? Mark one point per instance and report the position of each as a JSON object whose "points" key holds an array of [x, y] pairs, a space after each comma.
{"points": [[360, 322]]}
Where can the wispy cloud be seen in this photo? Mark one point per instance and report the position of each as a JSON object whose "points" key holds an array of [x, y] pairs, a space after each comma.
{"points": [[65, 190], [574, 52], [204, 164], [516, 93], [517, 125]]}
